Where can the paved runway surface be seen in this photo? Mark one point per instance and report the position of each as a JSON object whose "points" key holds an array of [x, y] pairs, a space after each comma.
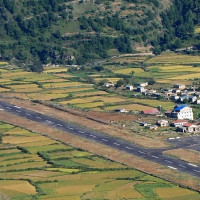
{"points": [[154, 155]]}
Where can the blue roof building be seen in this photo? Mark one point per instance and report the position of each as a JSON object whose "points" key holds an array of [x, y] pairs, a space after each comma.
{"points": [[178, 108]]}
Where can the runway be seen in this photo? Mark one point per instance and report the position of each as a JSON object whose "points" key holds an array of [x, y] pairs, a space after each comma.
{"points": [[154, 155]]}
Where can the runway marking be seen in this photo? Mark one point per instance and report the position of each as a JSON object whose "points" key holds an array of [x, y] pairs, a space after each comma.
{"points": [[8, 108], [17, 107], [38, 117], [128, 147], [59, 124], [172, 167], [192, 165], [154, 156], [141, 152], [104, 140], [168, 161], [18, 110], [81, 132], [182, 166], [70, 128], [117, 144], [1, 109], [196, 170], [93, 136], [28, 114]]}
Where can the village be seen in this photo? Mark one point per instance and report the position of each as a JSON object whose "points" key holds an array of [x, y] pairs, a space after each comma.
{"points": [[181, 117]]}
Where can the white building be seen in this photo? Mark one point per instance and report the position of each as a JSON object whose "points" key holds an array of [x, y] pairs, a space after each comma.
{"points": [[129, 87], [182, 112]]}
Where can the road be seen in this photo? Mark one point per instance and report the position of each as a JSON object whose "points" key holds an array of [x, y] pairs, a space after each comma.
{"points": [[154, 155]]}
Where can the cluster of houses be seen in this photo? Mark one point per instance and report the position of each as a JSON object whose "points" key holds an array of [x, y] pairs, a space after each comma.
{"points": [[182, 113], [179, 93]]}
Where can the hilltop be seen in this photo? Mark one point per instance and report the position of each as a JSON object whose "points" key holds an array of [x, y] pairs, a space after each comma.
{"points": [[75, 32]]}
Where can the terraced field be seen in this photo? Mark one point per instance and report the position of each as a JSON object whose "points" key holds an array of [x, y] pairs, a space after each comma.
{"points": [[41, 168]]}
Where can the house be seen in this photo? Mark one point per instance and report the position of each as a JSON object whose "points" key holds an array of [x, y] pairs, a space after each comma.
{"points": [[197, 101], [175, 97], [121, 110], [150, 92], [143, 84], [141, 89], [176, 91], [183, 98], [109, 84], [153, 111], [182, 112], [163, 123], [178, 123], [152, 127], [179, 86], [129, 87], [192, 99], [189, 128]]}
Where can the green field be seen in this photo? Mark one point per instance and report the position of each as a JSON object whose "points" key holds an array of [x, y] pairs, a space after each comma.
{"points": [[51, 170]]}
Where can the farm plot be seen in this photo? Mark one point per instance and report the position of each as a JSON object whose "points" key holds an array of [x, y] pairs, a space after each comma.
{"points": [[63, 85], [155, 103], [173, 58], [71, 173], [55, 70], [129, 107], [128, 71]]}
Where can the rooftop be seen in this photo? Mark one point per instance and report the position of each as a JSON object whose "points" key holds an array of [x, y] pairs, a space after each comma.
{"points": [[180, 107]]}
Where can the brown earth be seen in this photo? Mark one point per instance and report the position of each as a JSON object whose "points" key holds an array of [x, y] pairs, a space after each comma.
{"points": [[102, 150], [79, 117], [185, 154]]}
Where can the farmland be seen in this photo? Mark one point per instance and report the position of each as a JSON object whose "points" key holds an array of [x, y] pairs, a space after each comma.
{"points": [[47, 169], [71, 88]]}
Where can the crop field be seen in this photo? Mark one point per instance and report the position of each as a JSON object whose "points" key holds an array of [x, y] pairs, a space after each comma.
{"points": [[172, 58], [129, 107], [166, 105], [129, 71], [50, 170], [197, 30]]}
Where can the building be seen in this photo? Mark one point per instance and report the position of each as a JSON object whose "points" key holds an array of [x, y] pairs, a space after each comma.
{"points": [[143, 84], [152, 127], [178, 123], [109, 84], [121, 110], [163, 123], [153, 111], [192, 99], [179, 86], [182, 112], [141, 89], [129, 87], [189, 128]]}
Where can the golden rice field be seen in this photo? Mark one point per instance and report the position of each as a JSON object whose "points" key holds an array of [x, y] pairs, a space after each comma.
{"points": [[172, 58], [187, 76], [197, 30], [155, 103], [129, 107], [114, 80], [64, 84], [55, 70], [80, 175], [128, 70], [129, 59], [96, 93], [3, 63]]}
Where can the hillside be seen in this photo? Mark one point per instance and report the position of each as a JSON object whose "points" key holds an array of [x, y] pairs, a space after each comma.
{"points": [[75, 32]]}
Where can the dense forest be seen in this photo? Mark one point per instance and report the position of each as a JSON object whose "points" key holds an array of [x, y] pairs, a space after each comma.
{"points": [[35, 32]]}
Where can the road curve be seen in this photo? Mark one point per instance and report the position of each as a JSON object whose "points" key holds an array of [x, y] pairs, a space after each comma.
{"points": [[154, 155]]}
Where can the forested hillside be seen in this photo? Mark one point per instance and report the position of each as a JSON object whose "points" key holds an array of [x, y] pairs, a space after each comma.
{"points": [[75, 32]]}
